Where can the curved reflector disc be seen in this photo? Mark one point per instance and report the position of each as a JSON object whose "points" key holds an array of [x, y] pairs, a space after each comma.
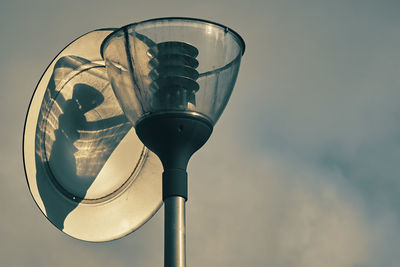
{"points": [[86, 169]]}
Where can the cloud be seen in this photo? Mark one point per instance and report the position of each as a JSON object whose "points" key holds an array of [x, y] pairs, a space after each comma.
{"points": [[262, 210]]}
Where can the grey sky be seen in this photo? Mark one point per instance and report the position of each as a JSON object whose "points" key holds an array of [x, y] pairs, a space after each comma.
{"points": [[302, 168]]}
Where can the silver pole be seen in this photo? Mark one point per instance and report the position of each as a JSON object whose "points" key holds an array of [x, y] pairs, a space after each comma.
{"points": [[174, 232]]}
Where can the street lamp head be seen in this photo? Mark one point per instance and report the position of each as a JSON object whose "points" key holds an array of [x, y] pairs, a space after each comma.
{"points": [[173, 78], [178, 65]]}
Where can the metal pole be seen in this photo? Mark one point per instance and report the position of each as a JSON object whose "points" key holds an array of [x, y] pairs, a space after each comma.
{"points": [[174, 232]]}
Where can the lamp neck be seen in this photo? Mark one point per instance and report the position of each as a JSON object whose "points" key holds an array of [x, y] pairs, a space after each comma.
{"points": [[174, 137]]}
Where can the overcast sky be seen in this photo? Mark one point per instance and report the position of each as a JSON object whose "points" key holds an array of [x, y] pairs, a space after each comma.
{"points": [[302, 169]]}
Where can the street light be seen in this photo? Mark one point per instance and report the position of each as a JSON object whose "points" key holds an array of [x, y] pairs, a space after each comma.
{"points": [[173, 78], [87, 171]]}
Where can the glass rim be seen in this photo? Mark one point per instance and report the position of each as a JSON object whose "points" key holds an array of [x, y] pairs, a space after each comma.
{"points": [[238, 38]]}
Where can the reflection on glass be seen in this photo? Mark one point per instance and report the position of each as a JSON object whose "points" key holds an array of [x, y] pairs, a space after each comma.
{"points": [[79, 127]]}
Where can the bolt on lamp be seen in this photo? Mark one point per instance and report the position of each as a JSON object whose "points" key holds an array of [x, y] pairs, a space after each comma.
{"points": [[173, 78]]}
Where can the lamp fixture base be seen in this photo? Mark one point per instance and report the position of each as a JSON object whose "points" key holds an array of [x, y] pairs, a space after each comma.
{"points": [[174, 137]]}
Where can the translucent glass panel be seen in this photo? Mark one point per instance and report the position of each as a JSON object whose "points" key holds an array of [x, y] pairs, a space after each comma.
{"points": [[173, 65]]}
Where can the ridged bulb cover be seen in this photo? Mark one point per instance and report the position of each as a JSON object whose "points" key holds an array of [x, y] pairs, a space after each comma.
{"points": [[177, 65]]}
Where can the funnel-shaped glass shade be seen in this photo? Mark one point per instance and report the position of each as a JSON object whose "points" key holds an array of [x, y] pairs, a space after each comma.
{"points": [[173, 65]]}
